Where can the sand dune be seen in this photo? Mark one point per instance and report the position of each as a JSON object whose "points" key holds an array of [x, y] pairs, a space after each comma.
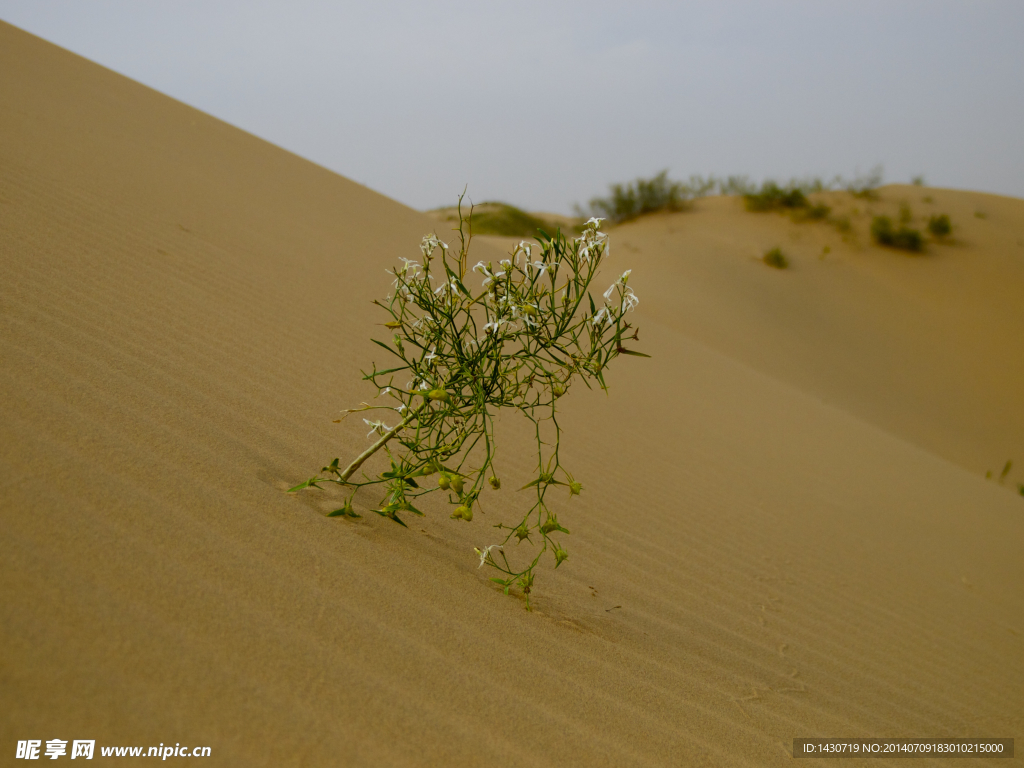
{"points": [[766, 547]]}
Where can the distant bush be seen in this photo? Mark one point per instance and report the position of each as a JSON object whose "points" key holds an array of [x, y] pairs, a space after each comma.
{"points": [[815, 212], [775, 258], [772, 197], [866, 186], [506, 220], [736, 185], [904, 238], [628, 201], [940, 226]]}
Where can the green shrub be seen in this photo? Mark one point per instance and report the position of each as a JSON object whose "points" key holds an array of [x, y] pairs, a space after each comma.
{"points": [[772, 197], [904, 238], [506, 220], [466, 353], [866, 186], [736, 185], [775, 258], [628, 201], [940, 226], [817, 212]]}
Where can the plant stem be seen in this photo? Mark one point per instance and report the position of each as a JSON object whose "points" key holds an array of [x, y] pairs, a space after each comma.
{"points": [[358, 461]]}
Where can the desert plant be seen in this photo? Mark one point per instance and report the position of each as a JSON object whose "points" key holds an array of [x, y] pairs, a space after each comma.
{"points": [[866, 186], [643, 196], [736, 185], [699, 186], [518, 342], [940, 226], [771, 197], [775, 258], [904, 238], [507, 220]]}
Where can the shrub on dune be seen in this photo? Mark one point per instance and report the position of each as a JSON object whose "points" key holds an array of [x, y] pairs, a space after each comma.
{"points": [[940, 226], [463, 353], [904, 238], [775, 258]]}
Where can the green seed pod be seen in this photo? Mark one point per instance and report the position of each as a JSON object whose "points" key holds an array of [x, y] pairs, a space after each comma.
{"points": [[445, 482], [575, 488], [439, 394], [457, 484], [522, 532], [464, 512], [558, 389], [495, 482], [457, 514], [529, 310], [546, 477], [560, 555]]}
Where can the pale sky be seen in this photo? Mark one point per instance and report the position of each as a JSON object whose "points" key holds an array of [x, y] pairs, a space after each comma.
{"points": [[543, 104]]}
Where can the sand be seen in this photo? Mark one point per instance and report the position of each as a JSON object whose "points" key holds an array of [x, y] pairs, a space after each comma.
{"points": [[785, 530]]}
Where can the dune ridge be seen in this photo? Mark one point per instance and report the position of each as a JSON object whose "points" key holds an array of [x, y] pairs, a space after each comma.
{"points": [[185, 309]]}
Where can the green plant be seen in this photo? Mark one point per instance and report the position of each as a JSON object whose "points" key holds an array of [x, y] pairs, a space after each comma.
{"points": [[517, 342], [507, 220], [736, 185], [775, 258], [866, 186], [903, 238], [814, 213], [772, 197], [940, 226], [643, 196]]}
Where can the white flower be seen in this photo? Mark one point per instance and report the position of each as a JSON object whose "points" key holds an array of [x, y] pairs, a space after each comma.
{"points": [[401, 408], [621, 281], [452, 287], [494, 327], [376, 426], [593, 220], [387, 391], [629, 299], [603, 316], [506, 264], [431, 356], [485, 553], [489, 277], [429, 243]]}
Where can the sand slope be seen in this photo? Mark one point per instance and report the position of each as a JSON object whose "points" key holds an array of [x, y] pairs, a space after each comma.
{"points": [[183, 311]]}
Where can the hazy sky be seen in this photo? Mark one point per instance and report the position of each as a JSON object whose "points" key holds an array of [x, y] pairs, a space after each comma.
{"points": [[543, 104]]}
